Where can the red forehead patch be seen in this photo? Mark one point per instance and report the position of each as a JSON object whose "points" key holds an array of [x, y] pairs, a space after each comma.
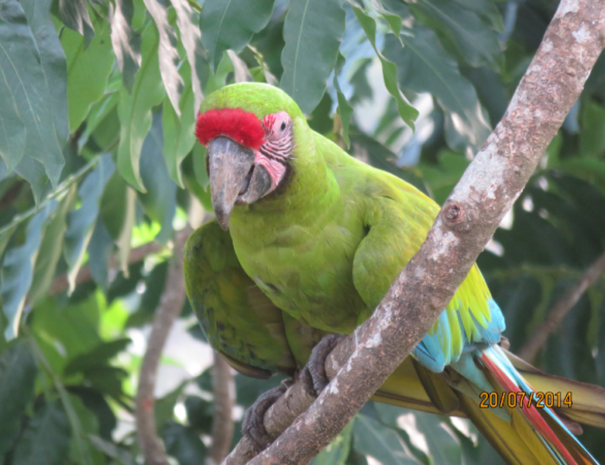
{"points": [[235, 123]]}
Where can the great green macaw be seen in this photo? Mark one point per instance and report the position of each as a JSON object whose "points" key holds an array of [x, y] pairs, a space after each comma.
{"points": [[307, 241]]}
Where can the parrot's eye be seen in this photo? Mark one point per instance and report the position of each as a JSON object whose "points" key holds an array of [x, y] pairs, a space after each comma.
{"points": [[277, 126]]}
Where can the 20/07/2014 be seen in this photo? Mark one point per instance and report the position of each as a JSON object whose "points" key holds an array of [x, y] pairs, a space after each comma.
{"points": [[522, 399]]}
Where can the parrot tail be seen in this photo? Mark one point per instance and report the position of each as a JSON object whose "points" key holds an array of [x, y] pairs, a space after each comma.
{"points": [[537, 408], [520, 431]]}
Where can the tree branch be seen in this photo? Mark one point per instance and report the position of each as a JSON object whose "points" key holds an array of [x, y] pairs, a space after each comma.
{"points": [[469, 217], [169, 309], [223, 387], [296, 400], [561, 308]]}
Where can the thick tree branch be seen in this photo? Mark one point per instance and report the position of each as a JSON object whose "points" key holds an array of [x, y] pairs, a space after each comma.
{"points": [[561, 308], [469, 217], [223, 387], [169, 309]]}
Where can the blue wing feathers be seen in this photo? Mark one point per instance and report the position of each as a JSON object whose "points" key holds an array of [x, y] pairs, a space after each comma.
{"points": [[442, 348]]}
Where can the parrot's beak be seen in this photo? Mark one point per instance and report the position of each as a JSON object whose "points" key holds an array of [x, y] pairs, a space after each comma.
{"points": [[234, 178]]}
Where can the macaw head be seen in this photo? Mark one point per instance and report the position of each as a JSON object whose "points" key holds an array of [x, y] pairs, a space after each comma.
{"points": [[249, 133]]}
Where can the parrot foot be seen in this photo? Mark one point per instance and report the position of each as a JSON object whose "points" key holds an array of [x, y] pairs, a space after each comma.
{"points": [[253, 424], [317, 362]]}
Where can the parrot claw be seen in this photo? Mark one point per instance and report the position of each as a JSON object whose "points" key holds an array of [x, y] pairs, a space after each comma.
{"points": [[253, 425], [317, 362]]}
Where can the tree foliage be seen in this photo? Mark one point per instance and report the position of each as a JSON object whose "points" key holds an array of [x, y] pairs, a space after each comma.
{"points": [[98, 101]]}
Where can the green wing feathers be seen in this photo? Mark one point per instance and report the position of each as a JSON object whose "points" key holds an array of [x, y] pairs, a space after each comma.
{"points": [[238, 319]]}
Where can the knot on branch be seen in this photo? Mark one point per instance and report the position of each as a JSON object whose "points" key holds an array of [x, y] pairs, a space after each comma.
{"points": [[453, 213]]}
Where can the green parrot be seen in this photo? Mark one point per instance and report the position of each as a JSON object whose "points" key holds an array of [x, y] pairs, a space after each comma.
{"points": [[306, 242]]}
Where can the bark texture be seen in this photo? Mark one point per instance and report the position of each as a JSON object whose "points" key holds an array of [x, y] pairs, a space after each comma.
{"points": [[170, 306], [223, 387], [469, 217]]}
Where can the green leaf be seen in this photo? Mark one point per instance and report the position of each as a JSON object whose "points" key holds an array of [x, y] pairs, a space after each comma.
{"points": [[12, 128], [389, 70], [247, 389], [81, 222], [134, 109], [117, 453], [337, 452], [380, 442], [241, 73], [53, 61], [199, 165], [123, 285], [191, 37], [125, 239], [25, 90], [113, 205], [179, 134], [106, 135], [164, 407], [313, 31], [491, 91], [590, 168], [95, 401], [50, 249], [344, 110], [100, 355], [320, 119], [443, 177], [487, 10], [103, 107], [47, 438], [424, 66], [168, 55], [34, 173], [592, 135], [393, 11], [107, 380], [184, 444], [195, 176], [74, 14], [381, 157], [230, 24], [74, 327], [475, 40], [159, 202], [125, 40], [18, 373], [99, 252], [154, 287], [199, 412], [5, 236], [16, 273], [118, 213], [87, 70], [78, 445], [443, 447], [83, 424], [218, 80]]}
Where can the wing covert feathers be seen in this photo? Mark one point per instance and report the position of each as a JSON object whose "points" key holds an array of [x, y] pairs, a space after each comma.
{"points": [[238, 319]]}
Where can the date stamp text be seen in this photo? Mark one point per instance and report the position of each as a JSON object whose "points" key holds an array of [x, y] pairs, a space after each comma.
{"points": [[537, 399]]}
